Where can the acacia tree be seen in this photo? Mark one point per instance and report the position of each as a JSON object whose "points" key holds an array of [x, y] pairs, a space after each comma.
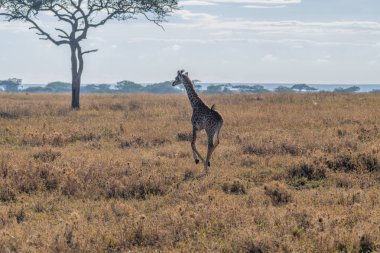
{"points": [[77, 18]]}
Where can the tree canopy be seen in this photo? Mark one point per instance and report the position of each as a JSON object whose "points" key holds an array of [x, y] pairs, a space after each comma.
{"points": [[303, 87], [82, 15], [11, 85], [76, 18]]}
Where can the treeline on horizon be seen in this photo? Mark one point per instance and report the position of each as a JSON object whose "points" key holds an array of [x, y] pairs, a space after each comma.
{"points": [[15, 85]]}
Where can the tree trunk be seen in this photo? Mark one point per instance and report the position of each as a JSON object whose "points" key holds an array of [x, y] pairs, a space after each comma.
{"points": [[75, 74], [75, 95]]}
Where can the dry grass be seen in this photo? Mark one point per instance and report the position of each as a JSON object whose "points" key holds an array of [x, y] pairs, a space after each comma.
{"points": [[293, 173]]}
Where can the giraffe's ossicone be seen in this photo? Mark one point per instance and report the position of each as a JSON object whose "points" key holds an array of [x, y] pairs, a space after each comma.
{"points": [[203, 118]]}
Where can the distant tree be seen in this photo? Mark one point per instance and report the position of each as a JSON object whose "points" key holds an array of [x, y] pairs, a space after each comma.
{"points": [[259, 89], [197, 87], [78, 17], [129, 87], [227, 89], [98, 88], [212, 89], [283, 89], [38, 89], [11, 85], [251, 89], [58, 87], [347, 90], [303, 87], [161, 88]]}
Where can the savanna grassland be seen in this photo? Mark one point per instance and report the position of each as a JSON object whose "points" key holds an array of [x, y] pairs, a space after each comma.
{"points": [[293, 173]]}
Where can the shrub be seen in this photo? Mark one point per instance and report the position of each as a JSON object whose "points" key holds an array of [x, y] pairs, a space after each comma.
{"points": [[86, 136], [272, 148], [309, 171], [184, 136], [27, 183], [189, 175], [236, 187], [71, 186], [369, 162], [47, 155], [366, 244], [136, 142], [117, 107], [133, 106], [6, 193], [5, 166], [20, 215], [344, 162], [349, 162], [137, 187], [7, 115], [278, 193], [159, 142], [51, 182]]}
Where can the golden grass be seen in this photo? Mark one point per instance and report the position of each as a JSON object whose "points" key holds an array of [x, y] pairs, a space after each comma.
{"points": [[293, 173]]}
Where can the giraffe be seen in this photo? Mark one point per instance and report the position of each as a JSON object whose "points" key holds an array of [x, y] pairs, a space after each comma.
{"points": [[203, 118]]}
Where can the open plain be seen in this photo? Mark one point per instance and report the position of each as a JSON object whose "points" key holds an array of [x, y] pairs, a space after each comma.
{"points": [[293, 173]]}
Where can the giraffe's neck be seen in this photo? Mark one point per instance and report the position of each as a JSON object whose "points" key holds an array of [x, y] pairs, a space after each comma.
{"points": [[194, 99]]}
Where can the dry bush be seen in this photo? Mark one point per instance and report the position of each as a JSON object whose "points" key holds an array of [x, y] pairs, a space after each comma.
{"points": [[36, 139], [5, 165], [349, 162], [250, 242], [367, 244], [83, 136], [8, 115], [236, 187], [139, 142], [136, 142], [265, 148], [310, 171], [6, 192], [189, 175], [366, 134], [343, 181], [278, 193], [138, 188], [47, 155], [184, 136]]}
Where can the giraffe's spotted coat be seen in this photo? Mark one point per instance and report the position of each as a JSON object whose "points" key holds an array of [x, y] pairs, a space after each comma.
{"points": [[203, 118]]}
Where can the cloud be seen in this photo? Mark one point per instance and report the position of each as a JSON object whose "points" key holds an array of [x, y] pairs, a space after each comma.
{"points": [[197, 16], [268, 2], [247, 3], [13, 26], [269, 58], [264, 6], [295, 43], [176, 47], [195, 3], [324, 60], [206, 21], [172, 48]]}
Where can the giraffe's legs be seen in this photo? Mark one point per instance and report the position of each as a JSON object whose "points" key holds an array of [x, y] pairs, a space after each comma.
{"points": [[213, 142], [209, 153], [196, 154]]}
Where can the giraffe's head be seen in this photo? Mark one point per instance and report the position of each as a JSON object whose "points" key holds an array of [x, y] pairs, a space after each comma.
{"points": [[180, 77]]}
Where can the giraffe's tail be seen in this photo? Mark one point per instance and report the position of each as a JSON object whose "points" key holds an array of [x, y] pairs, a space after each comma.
{"points": [[213, 107]]}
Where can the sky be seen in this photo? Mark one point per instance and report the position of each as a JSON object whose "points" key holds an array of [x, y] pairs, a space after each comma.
{"points": [[238, 41]]}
